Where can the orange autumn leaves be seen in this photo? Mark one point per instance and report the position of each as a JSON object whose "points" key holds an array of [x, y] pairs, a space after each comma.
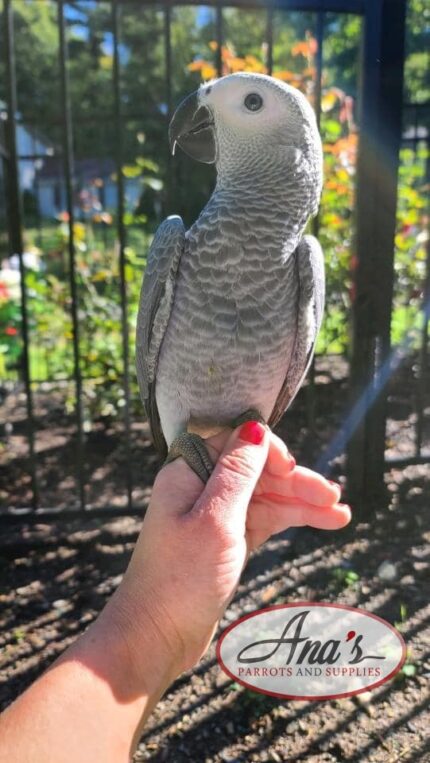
{"points": [[231, 63]]}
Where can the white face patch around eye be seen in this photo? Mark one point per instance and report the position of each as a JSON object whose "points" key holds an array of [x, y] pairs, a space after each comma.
{"points": [[249, 105]]}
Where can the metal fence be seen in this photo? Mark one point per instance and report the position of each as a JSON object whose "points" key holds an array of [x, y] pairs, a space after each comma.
{"points": [[363, 432], [416, 136]]}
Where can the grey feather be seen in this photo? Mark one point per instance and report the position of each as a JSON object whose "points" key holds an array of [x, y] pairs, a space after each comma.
{"points": [[155, 305], [310, 271], [230, 311]]}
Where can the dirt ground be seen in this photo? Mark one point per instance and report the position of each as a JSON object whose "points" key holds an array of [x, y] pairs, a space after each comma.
{"points": [[55, 578]]}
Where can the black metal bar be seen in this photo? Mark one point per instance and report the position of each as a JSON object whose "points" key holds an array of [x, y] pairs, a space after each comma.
{"points": [[381, 128], [61, 379], [14, 217], [122, 245], [336, 6], [69, 181], [341, 6], [403, 461], [170, 175], [333, 6], [319, 64], [417, 106], [269, 36], [29, 516], [219, 38], [32, 157], [168, 55], [415, 123], [89, 119], [310, 389], [412, 142], [3, 152], [423, 361]]}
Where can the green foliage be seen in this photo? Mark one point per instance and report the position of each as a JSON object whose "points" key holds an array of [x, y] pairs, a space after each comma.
{"points": [[409, 670], [417, 63], [400, 624], [411, 241], [99, 312], [34, 23], [18, 635], [344, 577], [10, 343]]}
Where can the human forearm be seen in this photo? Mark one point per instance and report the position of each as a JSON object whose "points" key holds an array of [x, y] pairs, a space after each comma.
{"points": [[91, 705]]}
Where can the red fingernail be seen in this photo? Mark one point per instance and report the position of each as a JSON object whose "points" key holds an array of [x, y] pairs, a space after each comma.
{"points": [[252, 432], [335, 483]]}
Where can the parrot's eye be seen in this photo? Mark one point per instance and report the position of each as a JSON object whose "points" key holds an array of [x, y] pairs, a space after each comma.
{"points": [[253, 102]]}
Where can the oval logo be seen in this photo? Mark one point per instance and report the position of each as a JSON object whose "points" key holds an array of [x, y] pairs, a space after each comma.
{"points": [[310, 650]]}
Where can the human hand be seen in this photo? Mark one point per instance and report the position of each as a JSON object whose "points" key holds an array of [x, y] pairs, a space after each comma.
{"points": [[196, 538], [92, 702]]}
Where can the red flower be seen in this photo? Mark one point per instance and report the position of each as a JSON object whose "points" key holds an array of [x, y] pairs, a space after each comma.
{"points": [[10, 331], [4, 291]]}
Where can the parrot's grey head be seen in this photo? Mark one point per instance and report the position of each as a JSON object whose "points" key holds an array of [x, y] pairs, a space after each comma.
{"points": [[247, 120]]}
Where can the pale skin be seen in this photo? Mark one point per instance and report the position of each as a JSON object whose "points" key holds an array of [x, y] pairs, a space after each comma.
{"points": [[92, 703]]}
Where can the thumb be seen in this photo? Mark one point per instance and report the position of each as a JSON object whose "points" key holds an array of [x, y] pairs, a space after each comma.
{"points": [[229, 489]]}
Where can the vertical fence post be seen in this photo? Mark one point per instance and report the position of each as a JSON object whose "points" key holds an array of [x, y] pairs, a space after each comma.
{"points": [[170, 186], [14, 217], [219, 37], [269, 36], [69, 178], [423, 361], [310, 387], [122, 244], [381, 129]]}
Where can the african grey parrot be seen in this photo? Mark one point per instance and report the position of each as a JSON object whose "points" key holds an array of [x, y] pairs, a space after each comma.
{"points": [[230, 309]]}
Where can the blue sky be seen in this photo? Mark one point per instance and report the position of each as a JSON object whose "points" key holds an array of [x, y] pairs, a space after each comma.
{"points": [[204, 15]]}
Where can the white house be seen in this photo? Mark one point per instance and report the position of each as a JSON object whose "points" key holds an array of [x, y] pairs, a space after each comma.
{"points": [[41, 173], [29, 143], [95, 187]]}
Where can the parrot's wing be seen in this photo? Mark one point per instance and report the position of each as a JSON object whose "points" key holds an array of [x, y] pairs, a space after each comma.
{"points": [[156, 300], [310, 272]]}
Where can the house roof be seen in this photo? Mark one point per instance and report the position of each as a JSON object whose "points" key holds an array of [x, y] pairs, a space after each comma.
{"points": [[30, 129]]}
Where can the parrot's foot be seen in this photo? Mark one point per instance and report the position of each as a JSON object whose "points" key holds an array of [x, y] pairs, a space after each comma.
{"points": [[250, 415], [193, 450]]}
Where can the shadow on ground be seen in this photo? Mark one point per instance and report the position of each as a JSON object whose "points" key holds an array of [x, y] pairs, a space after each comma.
{"points": [[55, 580]]}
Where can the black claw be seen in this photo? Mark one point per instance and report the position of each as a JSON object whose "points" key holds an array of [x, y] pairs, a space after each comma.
{"points": [[250, 415]]}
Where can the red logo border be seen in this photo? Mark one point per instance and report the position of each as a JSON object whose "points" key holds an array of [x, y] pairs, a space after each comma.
{"points": [[303, 697]]}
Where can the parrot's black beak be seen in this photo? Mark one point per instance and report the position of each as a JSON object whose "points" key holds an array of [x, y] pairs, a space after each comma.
{"points": [[192, 128]]}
